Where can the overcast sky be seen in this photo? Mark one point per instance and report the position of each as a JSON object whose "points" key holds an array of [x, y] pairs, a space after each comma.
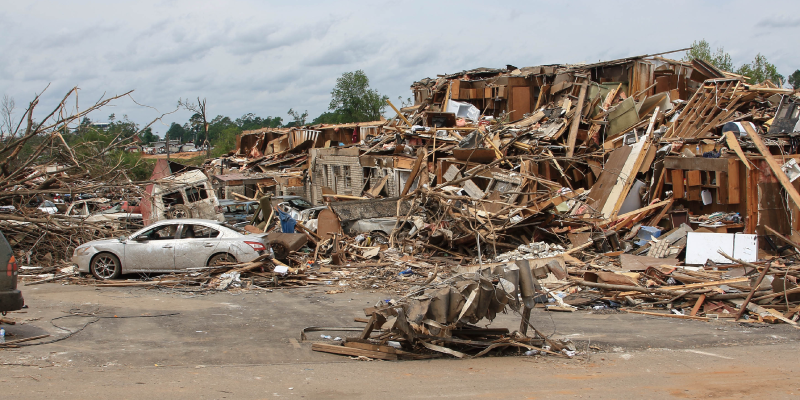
{"points": [[265, 57]]}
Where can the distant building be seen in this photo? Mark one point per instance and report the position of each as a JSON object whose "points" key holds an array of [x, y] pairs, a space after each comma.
{"points": [[100, 125]]}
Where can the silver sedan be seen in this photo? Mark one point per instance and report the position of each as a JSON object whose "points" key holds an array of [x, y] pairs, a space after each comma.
{"points": [[168, 246]]}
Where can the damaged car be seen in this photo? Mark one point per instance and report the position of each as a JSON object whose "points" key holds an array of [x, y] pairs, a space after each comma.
{"points": [[169, 246]]}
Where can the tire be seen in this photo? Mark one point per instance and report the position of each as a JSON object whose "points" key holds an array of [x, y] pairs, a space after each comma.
{"points": [[220, 258], [105, 266], [180, 211]]}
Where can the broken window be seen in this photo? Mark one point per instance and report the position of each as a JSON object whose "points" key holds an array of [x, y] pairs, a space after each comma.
{"points": [[78, 209], [196, 193], [198, 232], [172, 199], [160, 233]]}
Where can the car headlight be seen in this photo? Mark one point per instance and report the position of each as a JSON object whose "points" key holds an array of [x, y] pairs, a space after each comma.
{"points": [[81, 251]]}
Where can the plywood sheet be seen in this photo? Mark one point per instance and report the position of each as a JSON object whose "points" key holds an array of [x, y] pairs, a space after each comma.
{"points": [[520, 102], [608, 178]]}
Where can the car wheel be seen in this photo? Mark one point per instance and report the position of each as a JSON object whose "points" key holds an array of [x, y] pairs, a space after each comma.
{"points": [[221, 258], [106, 266], [181, 211]]}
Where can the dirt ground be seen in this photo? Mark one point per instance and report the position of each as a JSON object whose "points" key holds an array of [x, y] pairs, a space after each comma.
{"points": [[141, 342]]}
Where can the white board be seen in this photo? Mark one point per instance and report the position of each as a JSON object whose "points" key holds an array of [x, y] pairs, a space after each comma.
{"points": [[703, 246], [745, 247]]}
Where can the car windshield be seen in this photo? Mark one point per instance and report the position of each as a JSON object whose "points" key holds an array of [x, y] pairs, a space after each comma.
{"points": [[300, 203]]}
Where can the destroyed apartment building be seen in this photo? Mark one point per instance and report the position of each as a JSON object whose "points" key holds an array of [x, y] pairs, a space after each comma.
{"points": [[645, 184]]}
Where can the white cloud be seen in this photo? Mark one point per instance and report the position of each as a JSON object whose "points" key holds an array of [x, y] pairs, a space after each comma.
{"points": [[267, 56]]}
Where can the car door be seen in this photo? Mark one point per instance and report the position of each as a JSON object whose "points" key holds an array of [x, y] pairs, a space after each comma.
{"points": [[153, 250], [197, 243]]}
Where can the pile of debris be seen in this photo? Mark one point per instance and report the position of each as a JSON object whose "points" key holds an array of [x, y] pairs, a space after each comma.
{"points": [[441, 318], [632, 173]]}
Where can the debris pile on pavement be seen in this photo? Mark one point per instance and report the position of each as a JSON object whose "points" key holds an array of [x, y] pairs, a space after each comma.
{"points": [[618, 184], [441, 318]]}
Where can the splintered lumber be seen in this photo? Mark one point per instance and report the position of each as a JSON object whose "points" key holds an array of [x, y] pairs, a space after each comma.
{"points": [[11, 342], [403, 117], [711, 283], [625, 288], [350, 351], [421, 156], [781, 237], [639, 211], [444, 350], [576, 120], [655, 314], [700, 301], [628, 176], [374, 192], [773, 165], [752, 291], [733, 143]]}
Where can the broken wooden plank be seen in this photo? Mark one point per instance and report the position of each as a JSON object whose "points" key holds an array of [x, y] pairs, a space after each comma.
{"points": [[667, 315], [733, 143], [421, 156], [697, 305], [576, 120], [349, 351]]}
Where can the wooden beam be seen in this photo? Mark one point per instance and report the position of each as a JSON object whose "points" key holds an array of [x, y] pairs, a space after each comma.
{"points": [[697, 305], [752, 292], [421, 156], [655, 314], [773, 165], [350, 351], [781, 237], [639, 211], [399, 114], [734, 145], [576, 120]]}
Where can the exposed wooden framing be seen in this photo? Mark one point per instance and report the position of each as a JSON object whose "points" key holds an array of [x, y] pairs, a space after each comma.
{"points": [[773, 165]]}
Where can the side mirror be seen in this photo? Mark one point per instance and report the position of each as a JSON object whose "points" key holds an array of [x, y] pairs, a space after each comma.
{"points": [[140, 238], [123, 238]]}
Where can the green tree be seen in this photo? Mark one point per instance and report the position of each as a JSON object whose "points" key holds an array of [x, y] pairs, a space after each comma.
{"points": [[327, 118], [251, 121], [760, 70], [148, 136], [353, 100], [794, 79], [702, 50], [177, 132], [299, 119]]}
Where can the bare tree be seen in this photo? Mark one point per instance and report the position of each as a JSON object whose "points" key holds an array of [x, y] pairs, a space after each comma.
{"points": [[7, 111], [198, 108]]}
